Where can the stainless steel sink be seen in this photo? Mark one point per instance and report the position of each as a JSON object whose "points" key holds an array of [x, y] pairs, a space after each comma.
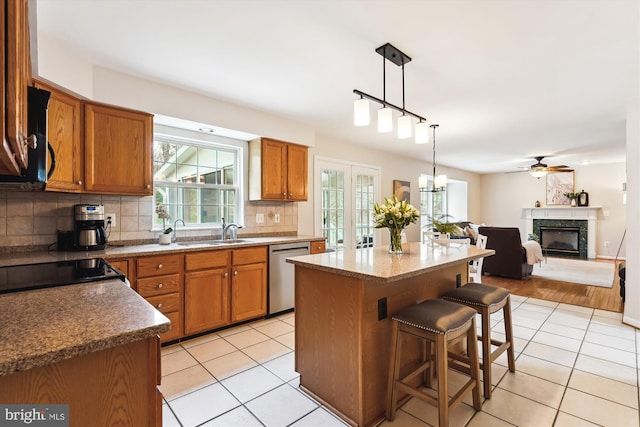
{"points": [[213, 242]]}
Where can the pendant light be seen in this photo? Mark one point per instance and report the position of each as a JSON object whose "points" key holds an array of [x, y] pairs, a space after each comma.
{"points": [[422, 133], [361, 116], [439, 181]]}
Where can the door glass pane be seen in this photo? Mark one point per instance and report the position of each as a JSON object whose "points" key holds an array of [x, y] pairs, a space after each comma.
{"points": [[333, 215], [364, 199]]}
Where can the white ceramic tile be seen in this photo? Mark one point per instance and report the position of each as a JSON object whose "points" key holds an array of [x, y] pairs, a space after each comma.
{"points": [[571, 319], [541, 302], [565, 331], [620, 331], [287, 339], [607, 369], [611, 341], [482, 419], [458, 416], [234, 330], [281, 406], [518, 331], [202, 405], [606, 388], [558, 341], [551, 354], [239, 416], [283, 367], [565, 420], [246, 338], [274, 329], [576, 308], [610, 354], [176, 361], [403, 419], [185, 381], [598, 410], [529, 306], [526, 321], [319, 418], [168, 419], [533, 388], [170, 349], [518, 410], [211, 349], [229, 364], [251, 383], [200, 340], [265, 351], [544, 369], [604, 313]]}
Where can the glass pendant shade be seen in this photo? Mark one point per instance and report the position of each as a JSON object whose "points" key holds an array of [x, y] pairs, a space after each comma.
{"points": [[404, 127], [440, 181], [385, 120], [423, 182], [538, 173], [361, 116], [422, 133]]}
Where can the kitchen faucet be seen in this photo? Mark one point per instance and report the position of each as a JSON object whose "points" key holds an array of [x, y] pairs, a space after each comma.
{"points": [[234, 229], [174, 237]]}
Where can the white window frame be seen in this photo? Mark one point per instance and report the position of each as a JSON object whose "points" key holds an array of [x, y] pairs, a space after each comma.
{"points": [[222, 143]]}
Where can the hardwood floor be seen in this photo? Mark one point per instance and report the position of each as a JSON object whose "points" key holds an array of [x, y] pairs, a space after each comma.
{"points": [[564, 292]]}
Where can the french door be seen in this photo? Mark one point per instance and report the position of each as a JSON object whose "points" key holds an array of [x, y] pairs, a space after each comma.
{"points": [[345, 194]]}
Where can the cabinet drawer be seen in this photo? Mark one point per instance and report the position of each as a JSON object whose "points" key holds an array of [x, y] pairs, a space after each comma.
{"points": [[159, 265], [318, 247], [159, 285], [210, 259], [175, 330], [249, 255], [165, 303]]}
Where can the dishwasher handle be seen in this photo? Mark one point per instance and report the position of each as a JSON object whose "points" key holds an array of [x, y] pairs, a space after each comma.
{"points": [[282, 251]]}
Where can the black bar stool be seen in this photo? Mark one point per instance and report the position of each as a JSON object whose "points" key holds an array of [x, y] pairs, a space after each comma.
{"points": [[439, 323], [487, 299]]}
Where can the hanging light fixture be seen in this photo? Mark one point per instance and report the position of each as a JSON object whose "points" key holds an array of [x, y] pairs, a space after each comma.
{"points": [[385, 114], [439, 181]]}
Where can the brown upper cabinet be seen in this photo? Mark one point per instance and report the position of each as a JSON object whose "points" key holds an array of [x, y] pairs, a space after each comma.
{"points": [[15, 78], [118, 150], [99, 148], [277, 170]]}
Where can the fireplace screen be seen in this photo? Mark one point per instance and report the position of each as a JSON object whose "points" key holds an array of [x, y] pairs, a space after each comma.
{"points": [[560, 239]]}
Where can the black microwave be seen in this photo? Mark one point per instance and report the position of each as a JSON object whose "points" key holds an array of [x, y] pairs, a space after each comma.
{"points": [[35, 176]]}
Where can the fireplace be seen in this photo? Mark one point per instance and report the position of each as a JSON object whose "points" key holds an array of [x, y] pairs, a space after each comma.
{"points": [[563, 241], [562, 237]]}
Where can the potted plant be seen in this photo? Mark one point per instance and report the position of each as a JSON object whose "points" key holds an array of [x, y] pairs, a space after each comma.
{"points": [[165, 237], [441, 224], [573, 197]]}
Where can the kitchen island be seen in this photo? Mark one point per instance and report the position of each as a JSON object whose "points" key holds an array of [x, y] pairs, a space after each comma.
{"points": [[343, 307]]}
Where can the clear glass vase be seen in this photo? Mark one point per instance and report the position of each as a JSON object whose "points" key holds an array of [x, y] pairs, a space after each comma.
{"points": [[395, 245]]}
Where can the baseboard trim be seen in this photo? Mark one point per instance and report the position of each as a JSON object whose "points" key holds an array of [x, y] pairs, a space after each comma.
{"points": [[631, 321], [609, 257]]}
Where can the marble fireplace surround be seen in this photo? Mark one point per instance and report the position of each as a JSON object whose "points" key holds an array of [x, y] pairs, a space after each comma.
{"points": [[567, 214]]}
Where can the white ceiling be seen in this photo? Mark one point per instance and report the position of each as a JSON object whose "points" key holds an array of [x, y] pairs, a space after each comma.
{"points": [[506, 80]]}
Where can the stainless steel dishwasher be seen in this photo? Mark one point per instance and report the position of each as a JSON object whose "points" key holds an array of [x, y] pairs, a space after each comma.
{"points": [[281, 275]]}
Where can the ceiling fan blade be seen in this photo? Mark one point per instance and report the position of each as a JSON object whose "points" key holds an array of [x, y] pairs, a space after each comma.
{"points": [[559, 167], [554, 169]]}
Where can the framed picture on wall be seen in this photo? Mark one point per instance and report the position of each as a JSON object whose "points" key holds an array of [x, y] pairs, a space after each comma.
{"points": [[402, 190], [559, 183]]}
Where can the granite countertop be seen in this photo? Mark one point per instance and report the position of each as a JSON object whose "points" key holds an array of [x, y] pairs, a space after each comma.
{"points": [[377, 265], [45, 326], [114, 252]]}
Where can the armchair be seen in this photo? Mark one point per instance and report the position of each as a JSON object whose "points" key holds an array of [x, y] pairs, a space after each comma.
{"points": [[510, 259]]}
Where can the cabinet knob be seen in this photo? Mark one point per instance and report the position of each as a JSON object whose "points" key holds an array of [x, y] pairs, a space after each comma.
{"points": [[290, 194], [147, 186], [235, 273], [159, 305], [160, 266], [284, 194], [160, 285], [79, 182], [226, 275]]}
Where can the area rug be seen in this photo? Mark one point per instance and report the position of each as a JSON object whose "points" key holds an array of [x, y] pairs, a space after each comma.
{"points": [[576, 271]]}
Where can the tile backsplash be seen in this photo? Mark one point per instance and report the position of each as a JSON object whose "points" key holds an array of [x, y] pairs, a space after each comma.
{"points": [[32, 219]]}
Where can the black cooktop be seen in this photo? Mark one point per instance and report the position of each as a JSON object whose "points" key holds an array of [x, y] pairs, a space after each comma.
{"points": [[36, 276]]}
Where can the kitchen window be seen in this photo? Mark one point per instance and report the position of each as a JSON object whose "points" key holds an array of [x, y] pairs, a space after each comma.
{"points": [[198, 181]]}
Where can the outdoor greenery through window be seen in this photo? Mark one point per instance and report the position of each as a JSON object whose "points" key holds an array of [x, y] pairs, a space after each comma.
{"points": [[199, 182]]}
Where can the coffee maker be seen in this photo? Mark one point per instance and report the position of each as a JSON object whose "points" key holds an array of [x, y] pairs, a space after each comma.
{"points": [[89, 231]]}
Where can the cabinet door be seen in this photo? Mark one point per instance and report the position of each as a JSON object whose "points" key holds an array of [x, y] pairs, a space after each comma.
{"points": [[248, 291], [297, 173], [118, 150], [64, 131], [274, 173], [206, 300], [17, 66]]}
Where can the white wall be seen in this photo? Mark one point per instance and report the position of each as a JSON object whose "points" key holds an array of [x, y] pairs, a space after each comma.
{"points": [[506, 194]]}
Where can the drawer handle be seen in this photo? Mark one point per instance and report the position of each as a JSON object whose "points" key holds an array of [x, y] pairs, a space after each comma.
{"points": [[160, 285], [160, 266], [159, 305]]}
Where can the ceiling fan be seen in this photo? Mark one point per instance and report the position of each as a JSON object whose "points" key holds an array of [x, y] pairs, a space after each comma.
{"points": [[540, 169]]}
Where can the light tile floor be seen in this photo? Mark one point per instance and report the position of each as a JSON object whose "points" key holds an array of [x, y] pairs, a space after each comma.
{"points": [[574, 367]]}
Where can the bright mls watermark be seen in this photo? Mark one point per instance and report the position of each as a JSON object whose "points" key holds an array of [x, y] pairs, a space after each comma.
{"points": [[34, 415]]}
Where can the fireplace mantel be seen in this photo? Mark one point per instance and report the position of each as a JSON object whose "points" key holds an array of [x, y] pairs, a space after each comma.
{"points": [[590, 214]]}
